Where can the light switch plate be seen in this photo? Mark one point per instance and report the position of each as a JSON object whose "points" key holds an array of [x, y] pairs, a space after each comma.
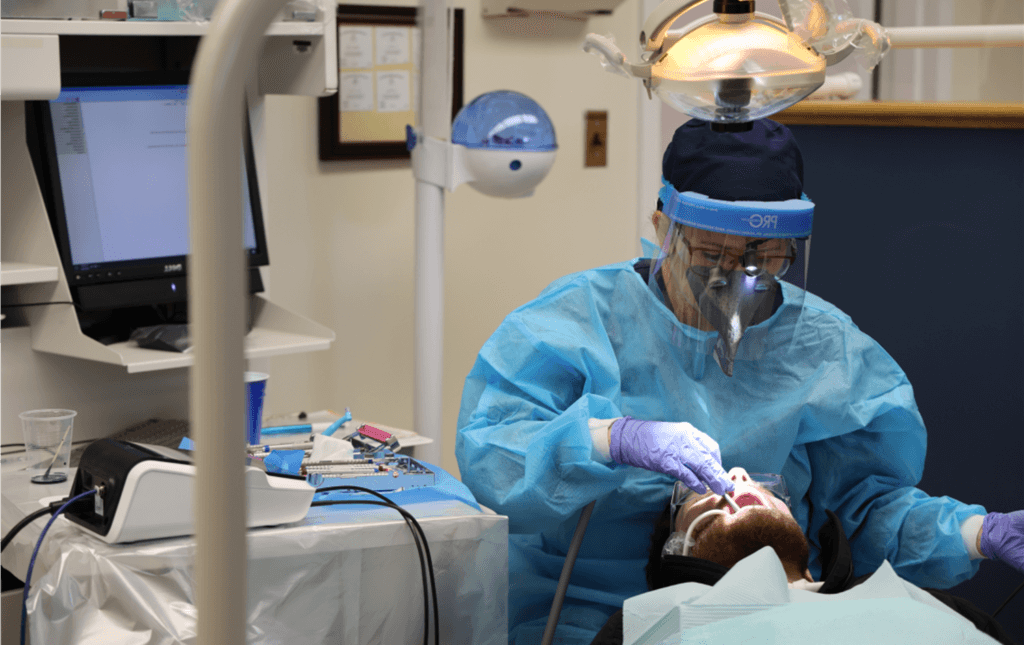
{"points": [[595, 151]]}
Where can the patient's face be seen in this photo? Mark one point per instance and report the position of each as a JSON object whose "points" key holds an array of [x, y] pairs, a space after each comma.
{"points": [[762, 521], [747, 495]]}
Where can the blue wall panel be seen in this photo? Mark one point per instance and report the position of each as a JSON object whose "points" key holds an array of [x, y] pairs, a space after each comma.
{"points": [[919, 236]]}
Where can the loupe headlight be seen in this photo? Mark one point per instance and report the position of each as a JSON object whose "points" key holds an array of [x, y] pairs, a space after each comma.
{"points": [[750, 263]]}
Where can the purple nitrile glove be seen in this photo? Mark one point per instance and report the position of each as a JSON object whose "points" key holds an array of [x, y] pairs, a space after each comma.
{"points": [[1002, 538], [676, 449]]}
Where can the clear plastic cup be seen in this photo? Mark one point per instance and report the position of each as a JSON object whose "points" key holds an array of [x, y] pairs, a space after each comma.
{"points": [[48, 436]]}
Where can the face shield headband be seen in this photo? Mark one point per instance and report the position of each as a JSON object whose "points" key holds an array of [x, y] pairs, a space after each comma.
{"points": [[731, 288], [791, 218]]}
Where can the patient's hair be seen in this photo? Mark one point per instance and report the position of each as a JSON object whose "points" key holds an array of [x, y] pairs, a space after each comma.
{"points": [[727, 544], [662, 530]]}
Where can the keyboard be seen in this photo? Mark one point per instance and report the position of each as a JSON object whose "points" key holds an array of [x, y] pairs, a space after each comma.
{"points": [[158, 432]]}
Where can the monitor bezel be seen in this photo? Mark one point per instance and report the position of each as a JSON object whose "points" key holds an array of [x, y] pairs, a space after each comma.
{"points": [[121, 271]]}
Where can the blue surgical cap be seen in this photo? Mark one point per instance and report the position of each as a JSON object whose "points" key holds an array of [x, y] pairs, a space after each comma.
{"points": [[761, 164]]}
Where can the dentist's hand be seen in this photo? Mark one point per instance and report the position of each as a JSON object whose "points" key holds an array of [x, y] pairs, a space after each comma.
{"points": [[1002, 538], [676, 449]]}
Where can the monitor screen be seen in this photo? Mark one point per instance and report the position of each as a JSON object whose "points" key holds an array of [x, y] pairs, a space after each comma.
{"points": [[118, 180]]}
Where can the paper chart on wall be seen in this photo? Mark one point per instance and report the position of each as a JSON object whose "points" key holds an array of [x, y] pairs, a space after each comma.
{"points": [[356, 92], [392, 45], [355, 47], [376, 82], [393, 91]]}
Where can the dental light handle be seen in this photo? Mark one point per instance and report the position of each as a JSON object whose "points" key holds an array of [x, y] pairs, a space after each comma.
{"points": [[563, 579], [658, 23]]}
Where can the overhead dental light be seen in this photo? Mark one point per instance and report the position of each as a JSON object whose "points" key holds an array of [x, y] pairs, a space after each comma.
{"points": [[738, 65]]}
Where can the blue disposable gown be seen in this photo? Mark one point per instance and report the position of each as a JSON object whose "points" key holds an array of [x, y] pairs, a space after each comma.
{"points": [[831, 411]]}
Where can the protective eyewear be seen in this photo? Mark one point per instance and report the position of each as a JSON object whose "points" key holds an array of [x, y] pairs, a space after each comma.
{"points": [[755, 261], [774, 483]]}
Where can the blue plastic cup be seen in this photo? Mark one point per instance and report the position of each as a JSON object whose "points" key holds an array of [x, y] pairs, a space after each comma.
{"points": [[255, 388]]}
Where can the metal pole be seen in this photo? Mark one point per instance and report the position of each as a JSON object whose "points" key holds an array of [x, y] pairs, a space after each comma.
{"points": [[956, 36], [649, 150], [435, 121], [217, 310]]}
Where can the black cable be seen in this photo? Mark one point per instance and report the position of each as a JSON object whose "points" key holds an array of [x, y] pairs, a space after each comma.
{"points": [[1007, 601], [430, 561], [414, 524], [56, 508], [22, 524], [416, 539]]}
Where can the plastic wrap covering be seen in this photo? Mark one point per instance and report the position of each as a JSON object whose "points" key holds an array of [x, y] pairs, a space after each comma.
{"points": [[345, 574], [871, 43], [196, 10], [829, 27], [610, 54]]}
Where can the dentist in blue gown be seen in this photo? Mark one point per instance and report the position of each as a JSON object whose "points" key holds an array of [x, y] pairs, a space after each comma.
{"points": [[617, 381]]}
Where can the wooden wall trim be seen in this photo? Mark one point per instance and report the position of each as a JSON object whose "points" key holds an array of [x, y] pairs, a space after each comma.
{"points": [[900, 114]]}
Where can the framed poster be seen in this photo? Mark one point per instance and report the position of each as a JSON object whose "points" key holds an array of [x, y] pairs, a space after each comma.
{"points": [[378, 77]]}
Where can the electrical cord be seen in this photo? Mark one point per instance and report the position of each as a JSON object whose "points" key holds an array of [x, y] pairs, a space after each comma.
{"points": [[426, 617], [409, 520], [51, 509], [22, 524], [1007, 601], [35, 552], [414, 527]]}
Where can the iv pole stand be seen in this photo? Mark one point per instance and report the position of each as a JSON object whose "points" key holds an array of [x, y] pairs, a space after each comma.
{"points": [[435, 122]]}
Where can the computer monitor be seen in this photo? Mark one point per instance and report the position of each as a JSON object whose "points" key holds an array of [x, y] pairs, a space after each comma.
{"points": [[112, 159]]}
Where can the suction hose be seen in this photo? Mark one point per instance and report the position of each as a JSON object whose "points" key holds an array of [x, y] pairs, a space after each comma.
{"points": [[563, 579]]}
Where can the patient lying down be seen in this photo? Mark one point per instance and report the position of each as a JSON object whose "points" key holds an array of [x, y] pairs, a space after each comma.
{"points": [[705, 537], [726, 538]]}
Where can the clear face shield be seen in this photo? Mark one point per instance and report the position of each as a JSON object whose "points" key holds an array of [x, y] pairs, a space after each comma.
{"points": [[726, 287]]}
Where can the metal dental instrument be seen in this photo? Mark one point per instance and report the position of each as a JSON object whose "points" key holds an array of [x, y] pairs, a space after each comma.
{"points": [[54, 478], [732, 502]]}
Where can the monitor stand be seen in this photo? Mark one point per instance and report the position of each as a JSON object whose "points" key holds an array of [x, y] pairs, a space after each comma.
{"points": [[114, 324]]}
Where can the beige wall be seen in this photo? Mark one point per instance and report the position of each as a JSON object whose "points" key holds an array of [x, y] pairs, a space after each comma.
{"points": [[970, 74], [995, 74], [342, 233]]}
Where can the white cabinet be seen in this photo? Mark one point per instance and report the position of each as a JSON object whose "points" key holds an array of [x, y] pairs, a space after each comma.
{"points": [[12, 273], [298, 57]]}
